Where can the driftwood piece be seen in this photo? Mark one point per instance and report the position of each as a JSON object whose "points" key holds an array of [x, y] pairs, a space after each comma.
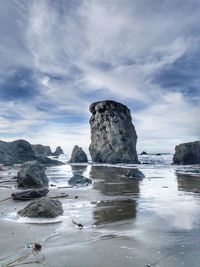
{"points": [[30, 194]]}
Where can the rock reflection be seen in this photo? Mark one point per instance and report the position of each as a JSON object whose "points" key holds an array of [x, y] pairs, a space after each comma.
{"points": [[114, 210], [117, 191], [113, 181], [78, 169], [188, 183]]}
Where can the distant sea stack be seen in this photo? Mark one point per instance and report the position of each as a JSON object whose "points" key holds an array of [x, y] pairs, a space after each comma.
{"points": [[113, 136], [78, 155], [187, 153], [58, 151]]}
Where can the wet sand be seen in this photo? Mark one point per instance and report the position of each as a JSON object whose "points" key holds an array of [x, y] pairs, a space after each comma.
{"points": [[153, 222]]}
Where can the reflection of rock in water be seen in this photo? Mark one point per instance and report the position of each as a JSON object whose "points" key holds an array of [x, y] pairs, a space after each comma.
{"points": [[117, 189], [113, 181], [79, 169], [114, 210], [188, 183]]}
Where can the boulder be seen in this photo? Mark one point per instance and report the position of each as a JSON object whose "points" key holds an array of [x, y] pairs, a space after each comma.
{"points": [[16, 152], [58, 151], [78, 179], [41, 150], [144, 153], [78, 155], [43, 207], [113, 136], [187, 153], [32, 174], [134, 174]]}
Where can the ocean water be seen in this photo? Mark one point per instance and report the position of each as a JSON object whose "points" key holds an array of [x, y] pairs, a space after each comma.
{"points": [[126, 222], [152, 222]]}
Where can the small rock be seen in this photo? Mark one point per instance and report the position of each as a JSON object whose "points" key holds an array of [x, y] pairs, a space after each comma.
{"points": [[79, 179], [144, 153], [135, 174], [43, 207], [32, 174]]}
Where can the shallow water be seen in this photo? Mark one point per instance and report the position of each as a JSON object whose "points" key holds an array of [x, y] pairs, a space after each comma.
{"points": [[152, 222]]}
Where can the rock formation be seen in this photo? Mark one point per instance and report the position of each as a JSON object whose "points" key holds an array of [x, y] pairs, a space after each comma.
{"points": [[78, 179], [41, 150], [58, 151], [78, 155], [43, 207], [113, 136], [144, 153], [20, 151], [16, 152], [187, 153], [32, 174]]}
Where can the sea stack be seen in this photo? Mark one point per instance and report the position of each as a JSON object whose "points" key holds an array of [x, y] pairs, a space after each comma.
{"points": [[113, 135], [187, 153], [58, 151], [78, 155]]}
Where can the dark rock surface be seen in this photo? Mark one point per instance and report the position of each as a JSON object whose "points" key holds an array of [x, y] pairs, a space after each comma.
{"points": [[134, 174], [78, 155], [32, 174], [41, 150], [187, 153], [16, 152], [58, 151], [113, 136], [78, 179], [49, 162], [30, 194], [144, 153], [43, 207]]}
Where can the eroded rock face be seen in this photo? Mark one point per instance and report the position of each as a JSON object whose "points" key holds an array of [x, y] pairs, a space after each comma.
{"points": [[58, 151], [78, 155], [32, 174], [16, 152], [41, 150], [113, 136], [43, 207], [187, 153]]}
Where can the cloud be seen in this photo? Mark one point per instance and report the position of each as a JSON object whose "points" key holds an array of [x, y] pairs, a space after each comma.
{"points": [[56, 57]]}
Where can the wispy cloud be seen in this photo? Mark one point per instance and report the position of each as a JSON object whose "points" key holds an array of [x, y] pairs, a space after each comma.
{"points": [[59, 56]]}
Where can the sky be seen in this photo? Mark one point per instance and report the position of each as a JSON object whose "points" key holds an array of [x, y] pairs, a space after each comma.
{"points": [[59, 56]]}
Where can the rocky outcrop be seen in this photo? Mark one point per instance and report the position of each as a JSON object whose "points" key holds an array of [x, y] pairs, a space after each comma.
{"points": [[187, 153], [32, 174], [144, 153], [49, 162], [58, 151], [78, 155], [16, 152], [20, 151], [43, 207], [41, 150], [113, 136], [78, 179]]}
